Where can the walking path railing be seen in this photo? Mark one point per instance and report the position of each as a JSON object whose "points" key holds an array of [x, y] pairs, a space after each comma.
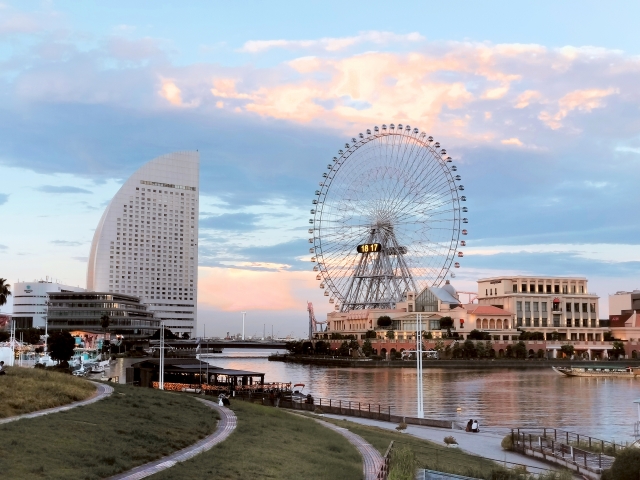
{"points": [[576, 451]]}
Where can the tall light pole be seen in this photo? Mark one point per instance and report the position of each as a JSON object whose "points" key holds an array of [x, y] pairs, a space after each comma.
{"points": [[243, 315], [161, 383], [419, 364]]}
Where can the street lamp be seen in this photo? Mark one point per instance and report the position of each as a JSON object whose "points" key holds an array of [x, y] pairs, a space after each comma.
{"points": [[243, 315]]}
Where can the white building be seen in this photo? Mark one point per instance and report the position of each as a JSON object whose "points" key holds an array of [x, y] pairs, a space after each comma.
{"points": [[30, 301], [546, 304], [146, 243]]}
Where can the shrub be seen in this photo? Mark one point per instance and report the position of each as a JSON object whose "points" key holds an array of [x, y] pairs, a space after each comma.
{"points": [[626, 465], [507, 443], [391, 334], [318, 411], [402, 465], [401, 427], [450, 440], [384, 321]]}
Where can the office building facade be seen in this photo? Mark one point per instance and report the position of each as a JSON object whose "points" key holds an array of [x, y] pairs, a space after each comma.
{"points": [[146, 243], [30, 307]]}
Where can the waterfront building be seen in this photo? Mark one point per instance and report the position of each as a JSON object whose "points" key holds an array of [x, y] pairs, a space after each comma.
{"points": [[81, 313], [146, 243], [30, 301], [624, 318], [562, 306]]}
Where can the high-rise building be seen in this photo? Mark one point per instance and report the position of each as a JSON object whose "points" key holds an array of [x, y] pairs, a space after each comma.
{"points": [[30, 301], [146, 243]]}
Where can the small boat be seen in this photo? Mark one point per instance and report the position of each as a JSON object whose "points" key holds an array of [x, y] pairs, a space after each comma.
{"points": [[99, 367], [598, 371]]}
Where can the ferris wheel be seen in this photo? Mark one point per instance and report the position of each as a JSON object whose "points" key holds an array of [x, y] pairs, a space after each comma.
{"points": [[387, 219]]}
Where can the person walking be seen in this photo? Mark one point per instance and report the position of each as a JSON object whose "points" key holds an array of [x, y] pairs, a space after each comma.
{"points": [[2, 370], [469, 423]]}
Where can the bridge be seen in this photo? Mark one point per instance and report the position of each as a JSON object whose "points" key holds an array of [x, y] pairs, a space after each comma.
{"points": [[268, 344]]}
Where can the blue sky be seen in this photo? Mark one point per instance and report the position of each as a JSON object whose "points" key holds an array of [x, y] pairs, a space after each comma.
{"points": [[537, 102]]}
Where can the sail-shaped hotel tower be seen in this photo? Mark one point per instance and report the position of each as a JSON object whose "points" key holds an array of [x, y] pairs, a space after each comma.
{"points": [[146, 243]]}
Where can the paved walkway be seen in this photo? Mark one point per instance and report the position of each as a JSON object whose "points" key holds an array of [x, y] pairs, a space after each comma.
{"points": [[371, 459], [102, 391], [226, 425], [483, 444]]}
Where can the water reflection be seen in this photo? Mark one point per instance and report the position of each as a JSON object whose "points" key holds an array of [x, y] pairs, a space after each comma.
{"points": [[497, 398]]}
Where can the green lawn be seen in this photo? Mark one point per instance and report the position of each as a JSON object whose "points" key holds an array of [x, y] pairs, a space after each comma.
{"points": [[25, 390], [270, 443], [132, 427]]}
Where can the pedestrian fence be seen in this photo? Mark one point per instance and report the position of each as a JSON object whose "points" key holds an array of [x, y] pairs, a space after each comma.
{"points": [[576, 451]]}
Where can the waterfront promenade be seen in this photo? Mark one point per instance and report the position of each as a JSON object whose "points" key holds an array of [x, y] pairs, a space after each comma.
{"points": [[484, 444]]}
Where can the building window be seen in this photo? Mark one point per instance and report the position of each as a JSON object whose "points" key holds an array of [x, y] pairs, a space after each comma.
{"points": [[544, 307], [573, 289], [584, 308], [535, 307], [527, 307], [556, 288], [581, 288], [540, 288], [576, 307], [592, 307], [532, 288], [569, 322], [519, 306], [568, 307], [548, 288], [524, 287], [564, 289]]}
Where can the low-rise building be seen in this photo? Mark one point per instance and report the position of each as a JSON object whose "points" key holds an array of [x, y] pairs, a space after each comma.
{"points": [[558, 306], [624, 316], [84, 311], [30, 301]]}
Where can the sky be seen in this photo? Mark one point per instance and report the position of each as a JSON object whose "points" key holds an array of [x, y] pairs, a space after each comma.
{"points": [[537, 103]]}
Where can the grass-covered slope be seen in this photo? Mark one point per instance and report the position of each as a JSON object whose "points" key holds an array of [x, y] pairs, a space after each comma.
{"points": [[131, 427], [25, 390], [269, 443]]}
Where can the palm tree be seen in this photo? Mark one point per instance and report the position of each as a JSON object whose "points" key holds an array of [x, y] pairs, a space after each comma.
{"points": [[4, 291]]}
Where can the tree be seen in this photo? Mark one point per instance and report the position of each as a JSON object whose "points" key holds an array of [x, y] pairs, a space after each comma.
{"points": [[321, 348], [469, 349], [531, 336], [384, 321], [367, 348], [343, 350], [567, 350], [391, 334], [307, 348], [29, 335], [478, 335], [439, 346], [294, 348], [491, 353], [370, 334], [427, 335], [446, 322], [61, 346], [336, 336], [185, 336], [5, 293], [168, 335], [481, 349], [626, 465], [520, 350], [509, 351], [618, 348], [607, 337], [553, 336], [457, 351]]}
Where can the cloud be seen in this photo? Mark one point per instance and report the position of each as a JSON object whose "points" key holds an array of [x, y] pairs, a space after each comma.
{"points": [[332, 44], [4, 198], [3, 247], [61, 189], [230, 221], [512, 141], [234, 289], [582, 100], [66, 243], [170, 92]]}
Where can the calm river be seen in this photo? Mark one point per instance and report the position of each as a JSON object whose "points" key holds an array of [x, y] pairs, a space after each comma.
{"points": [[498, 398]]}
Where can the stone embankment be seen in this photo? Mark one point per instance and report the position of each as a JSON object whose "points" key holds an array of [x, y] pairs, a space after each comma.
{"points": [[328, 361]]}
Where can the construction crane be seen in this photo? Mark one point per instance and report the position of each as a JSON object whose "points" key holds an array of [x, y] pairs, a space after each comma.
{"points": [[313, 323]]}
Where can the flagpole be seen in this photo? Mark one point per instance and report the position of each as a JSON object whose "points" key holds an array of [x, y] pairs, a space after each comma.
{"points": [[161, 383]]}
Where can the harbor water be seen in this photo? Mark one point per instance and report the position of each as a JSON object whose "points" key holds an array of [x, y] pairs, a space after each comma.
{"points": [[497, 398]]}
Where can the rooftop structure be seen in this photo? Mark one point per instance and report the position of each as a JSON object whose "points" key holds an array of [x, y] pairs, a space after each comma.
{"points": [[30, 301], [146, 243], [83, 312]]}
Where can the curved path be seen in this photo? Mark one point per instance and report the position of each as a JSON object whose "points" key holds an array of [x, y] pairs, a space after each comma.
{"points": [[226, 425], [102, 391], [372, 461]]}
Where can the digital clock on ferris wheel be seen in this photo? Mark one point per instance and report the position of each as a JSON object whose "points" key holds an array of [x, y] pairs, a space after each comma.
{"points": [[369, 247]]}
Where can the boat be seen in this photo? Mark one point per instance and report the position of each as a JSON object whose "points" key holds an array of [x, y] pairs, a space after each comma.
{"points": [[100, 366], [598, 371]]}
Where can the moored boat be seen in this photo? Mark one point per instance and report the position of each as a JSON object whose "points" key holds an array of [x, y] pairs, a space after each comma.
{"points": [[598, 371]]}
